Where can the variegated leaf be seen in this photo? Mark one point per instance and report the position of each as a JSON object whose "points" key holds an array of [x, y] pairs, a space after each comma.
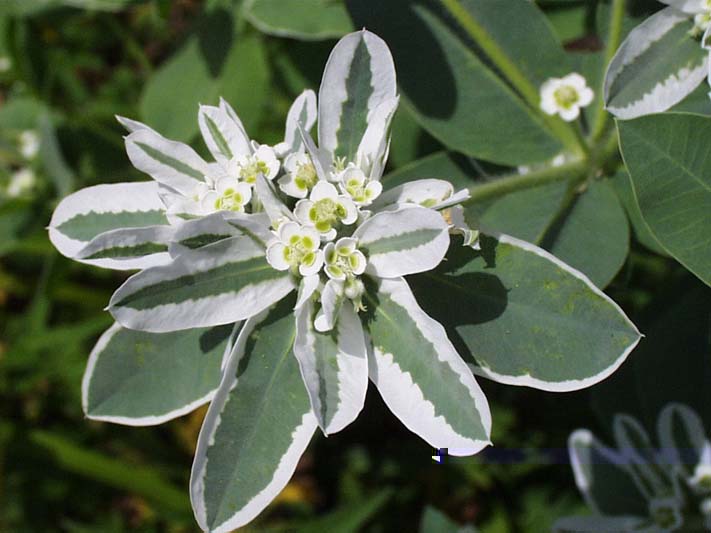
{"points": [[358, 77], [656, 66], [603, 478], [302, 114], [171, 163], [141, 379], [200, 232], [521, 316], [224, 136], [224, 282], [137, 247], [86, 214], [257, 426], [402, 242], [419, 374], [373, 149], [334, 366], [682, 437]]}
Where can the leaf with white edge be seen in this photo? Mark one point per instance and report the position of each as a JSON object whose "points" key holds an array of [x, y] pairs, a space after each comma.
{"points": [[334, 366], [221, 283], [224, 136], [218, 226], [657, 65], [257, 426], [307, 20], [424, 192], [520, 316], [419, 374], [402, 242], [302, 114], [171, 163], [142, 379], [636, 448], [682, 437], [358, 77], [597, 524], [669, 162], [602, 477], [131, 248], [131, 125], [89, 212], [373, 148]]}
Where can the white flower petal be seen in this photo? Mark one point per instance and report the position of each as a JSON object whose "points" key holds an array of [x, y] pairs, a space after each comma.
{"points": [[275, 256], [323, 190], [313, 268]]}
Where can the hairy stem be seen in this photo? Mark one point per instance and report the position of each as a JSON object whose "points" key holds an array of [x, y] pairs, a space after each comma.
{"points": [[617, 13], [530, 93]]}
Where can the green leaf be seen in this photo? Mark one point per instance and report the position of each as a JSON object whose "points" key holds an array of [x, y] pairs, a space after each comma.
{"points": [[34, 7], [670, 166], [656, 66], [523, 317], [223, 282], [419, 374], [307, 20], [52, 159], [138, 378], [434, 521], [461, 101], [456, 169], [215, 61], [257, 426]]}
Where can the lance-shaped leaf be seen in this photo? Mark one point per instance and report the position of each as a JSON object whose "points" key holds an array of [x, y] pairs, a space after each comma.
{"points": [[682, 437], [256, 428], [302, 115], [277, 211], [220, 283], [85, 214], [200, 232], [656, 66], [334, 366], [602, 477], [136, 247], [171, 163], [522, 317], [402, 242], [358, 77], [419, 374], [373, 148], [141, 379], [670, 166], [223, 132]]}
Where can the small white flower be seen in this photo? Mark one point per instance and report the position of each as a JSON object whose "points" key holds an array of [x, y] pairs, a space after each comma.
{"points": [[343, 259], [325, 209], [300, 175], [21, 182], [5, 63], [701, 480], [29, 144], [565, 96], [666, 513], [228, 195], [263, 161], [362, 190], [296, 248]]}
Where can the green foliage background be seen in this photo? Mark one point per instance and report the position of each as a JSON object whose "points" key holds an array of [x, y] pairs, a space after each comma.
{"points": [[77, 63]]}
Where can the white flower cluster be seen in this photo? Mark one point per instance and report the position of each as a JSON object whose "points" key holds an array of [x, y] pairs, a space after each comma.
{"points": [[23, 179]]}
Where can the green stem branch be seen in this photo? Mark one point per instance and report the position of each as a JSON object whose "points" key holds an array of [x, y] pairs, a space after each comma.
{"points": [[614, 35], [529, 92]]}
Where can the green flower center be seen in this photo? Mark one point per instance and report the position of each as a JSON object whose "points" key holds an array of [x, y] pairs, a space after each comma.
{"points": [[704, 483], [250, 170], [305, 176], [566, 96], [342, 263], [231, 200], [300, 251], [358, 190], [325, 213]]}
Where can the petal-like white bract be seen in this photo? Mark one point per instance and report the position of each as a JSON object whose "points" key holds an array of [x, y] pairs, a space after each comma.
{"points": [[302, 113]]}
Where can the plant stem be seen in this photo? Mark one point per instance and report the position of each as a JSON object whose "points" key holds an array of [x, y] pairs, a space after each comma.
{"points": [[617, 13], [574, 171], [530, 93]]}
